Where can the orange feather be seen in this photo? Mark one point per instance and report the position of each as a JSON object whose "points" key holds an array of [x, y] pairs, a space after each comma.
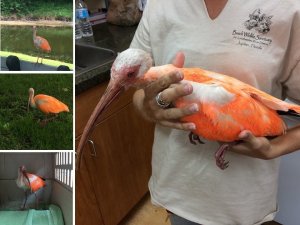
{"points": [[42, 44], [227, 106], [49, 105], [36, 182]]}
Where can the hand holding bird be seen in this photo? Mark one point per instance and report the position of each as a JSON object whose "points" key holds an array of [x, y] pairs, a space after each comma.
{"points": [[172, 89]]}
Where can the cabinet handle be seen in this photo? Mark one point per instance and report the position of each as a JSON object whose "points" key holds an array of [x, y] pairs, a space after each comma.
{"points": [[92, 147]]}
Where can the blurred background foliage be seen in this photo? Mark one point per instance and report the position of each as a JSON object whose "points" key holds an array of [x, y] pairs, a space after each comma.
{"points": [[37, 9]]}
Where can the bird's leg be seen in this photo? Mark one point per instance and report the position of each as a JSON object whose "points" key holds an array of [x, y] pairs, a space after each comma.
{"points": [[52, 118], [219, 156], [36, 201], [42, 58], [194, 137], [47, 119], [23, 207], [37, 60]]}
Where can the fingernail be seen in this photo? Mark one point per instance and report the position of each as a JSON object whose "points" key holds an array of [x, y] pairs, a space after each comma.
{"points": [[187, 88], [179, 75], [191, 126], [194, 108]]}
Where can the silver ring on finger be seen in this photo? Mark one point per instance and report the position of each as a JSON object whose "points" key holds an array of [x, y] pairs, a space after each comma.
{"points": [[160, 102]]}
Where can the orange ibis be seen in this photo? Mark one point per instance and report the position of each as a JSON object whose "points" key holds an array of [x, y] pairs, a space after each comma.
{"points": [[226, 105]]}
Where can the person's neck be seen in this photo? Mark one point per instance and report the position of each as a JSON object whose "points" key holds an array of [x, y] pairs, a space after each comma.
{"points": [[215, 7]]}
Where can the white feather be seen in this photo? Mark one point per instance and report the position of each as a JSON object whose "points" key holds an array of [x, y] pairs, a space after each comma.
{"points": [[210, 93]]}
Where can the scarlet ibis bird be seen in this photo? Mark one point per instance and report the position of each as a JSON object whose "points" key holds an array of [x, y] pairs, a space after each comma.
{"points": [[41, 44], [227, 106], [46, 104], [28, 181]]}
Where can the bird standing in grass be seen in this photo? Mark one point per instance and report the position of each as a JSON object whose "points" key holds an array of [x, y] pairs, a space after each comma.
{"points": [[226, 106], [28, 181], [41, 44], [46, 104]]}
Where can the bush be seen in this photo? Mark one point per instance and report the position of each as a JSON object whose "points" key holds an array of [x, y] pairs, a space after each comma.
{"points": [[15, 6]]}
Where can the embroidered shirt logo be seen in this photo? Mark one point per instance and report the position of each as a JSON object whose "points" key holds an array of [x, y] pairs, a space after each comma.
{"points": [[258, 21]]}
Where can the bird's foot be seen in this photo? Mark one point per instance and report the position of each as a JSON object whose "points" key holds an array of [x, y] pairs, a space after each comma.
{"points": [[220, 155], [194, 137], [22, 207], [42, 123]]}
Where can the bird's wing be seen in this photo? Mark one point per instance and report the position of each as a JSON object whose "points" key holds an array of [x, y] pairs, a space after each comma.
{"points": [[226, 110], [264, 98], [48, 104], [42, 43], [36, 182]]}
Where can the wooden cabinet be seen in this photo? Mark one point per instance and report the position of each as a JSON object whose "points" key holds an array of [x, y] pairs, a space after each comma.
{"points": [[117, 176], [87, 208]]}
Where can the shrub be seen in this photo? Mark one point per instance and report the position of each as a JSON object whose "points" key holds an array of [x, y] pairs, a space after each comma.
{"points": [[15, 6]]}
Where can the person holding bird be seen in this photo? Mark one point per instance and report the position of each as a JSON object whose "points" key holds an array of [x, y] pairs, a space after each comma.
{"points": [[257, 43]]}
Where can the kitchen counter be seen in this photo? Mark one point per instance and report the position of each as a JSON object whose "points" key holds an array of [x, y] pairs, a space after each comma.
{"points": [[116, 38]]}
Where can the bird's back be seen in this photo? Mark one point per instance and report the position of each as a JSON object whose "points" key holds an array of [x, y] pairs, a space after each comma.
{"points": [[50, 105], [36, 182], [42, 43], [228, 106]]}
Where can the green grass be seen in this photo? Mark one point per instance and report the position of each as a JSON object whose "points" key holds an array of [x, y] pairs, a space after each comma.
{"points": [[32, 59], [20, 129]]}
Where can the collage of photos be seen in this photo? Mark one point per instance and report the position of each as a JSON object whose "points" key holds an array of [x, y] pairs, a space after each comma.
{"points": [[146, 112], [36, 112]]}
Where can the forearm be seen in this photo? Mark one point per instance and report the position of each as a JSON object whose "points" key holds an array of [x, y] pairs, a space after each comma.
{"points": [[286, 143]]}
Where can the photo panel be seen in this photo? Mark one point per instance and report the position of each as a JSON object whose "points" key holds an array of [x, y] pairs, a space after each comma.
{"points": [[36, 112], [36, 35], [36, 188]]}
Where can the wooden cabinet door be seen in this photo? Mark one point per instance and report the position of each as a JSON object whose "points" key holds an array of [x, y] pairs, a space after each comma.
{"points": [[121, 168], [87, 209]]}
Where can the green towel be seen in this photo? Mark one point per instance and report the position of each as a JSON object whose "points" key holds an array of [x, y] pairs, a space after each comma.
{"points": [[52, 216]]}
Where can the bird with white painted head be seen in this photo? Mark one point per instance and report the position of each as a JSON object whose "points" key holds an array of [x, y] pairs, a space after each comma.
{"points": [[226, 106]]}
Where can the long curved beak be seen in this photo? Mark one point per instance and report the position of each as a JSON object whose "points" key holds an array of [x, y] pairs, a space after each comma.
{"points": [[113, 90]]}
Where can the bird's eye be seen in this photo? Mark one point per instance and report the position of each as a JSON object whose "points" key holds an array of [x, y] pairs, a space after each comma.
{"points": [[130, 75]]}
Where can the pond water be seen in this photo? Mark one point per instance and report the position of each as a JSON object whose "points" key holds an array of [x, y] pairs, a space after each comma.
{"points": [[20, 39]]}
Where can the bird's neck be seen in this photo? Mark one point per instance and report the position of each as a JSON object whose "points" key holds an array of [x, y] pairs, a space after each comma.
{"points": [[19, 175], [155, 72], [31, 101], [34, 34]]}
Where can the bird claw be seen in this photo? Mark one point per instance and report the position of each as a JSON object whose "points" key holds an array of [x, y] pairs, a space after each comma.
{"points": [[220, 157], [194, 137], [42, 123]]}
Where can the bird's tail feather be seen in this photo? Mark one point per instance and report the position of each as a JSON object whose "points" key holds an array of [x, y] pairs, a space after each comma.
{"points": [[289, 113]]}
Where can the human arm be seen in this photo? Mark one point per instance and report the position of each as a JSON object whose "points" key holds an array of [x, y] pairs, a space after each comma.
{"points": [[261, 147]]}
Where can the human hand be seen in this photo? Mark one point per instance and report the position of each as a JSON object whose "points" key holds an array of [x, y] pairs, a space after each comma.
{"points": [[256, 147], [171, 89]]}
